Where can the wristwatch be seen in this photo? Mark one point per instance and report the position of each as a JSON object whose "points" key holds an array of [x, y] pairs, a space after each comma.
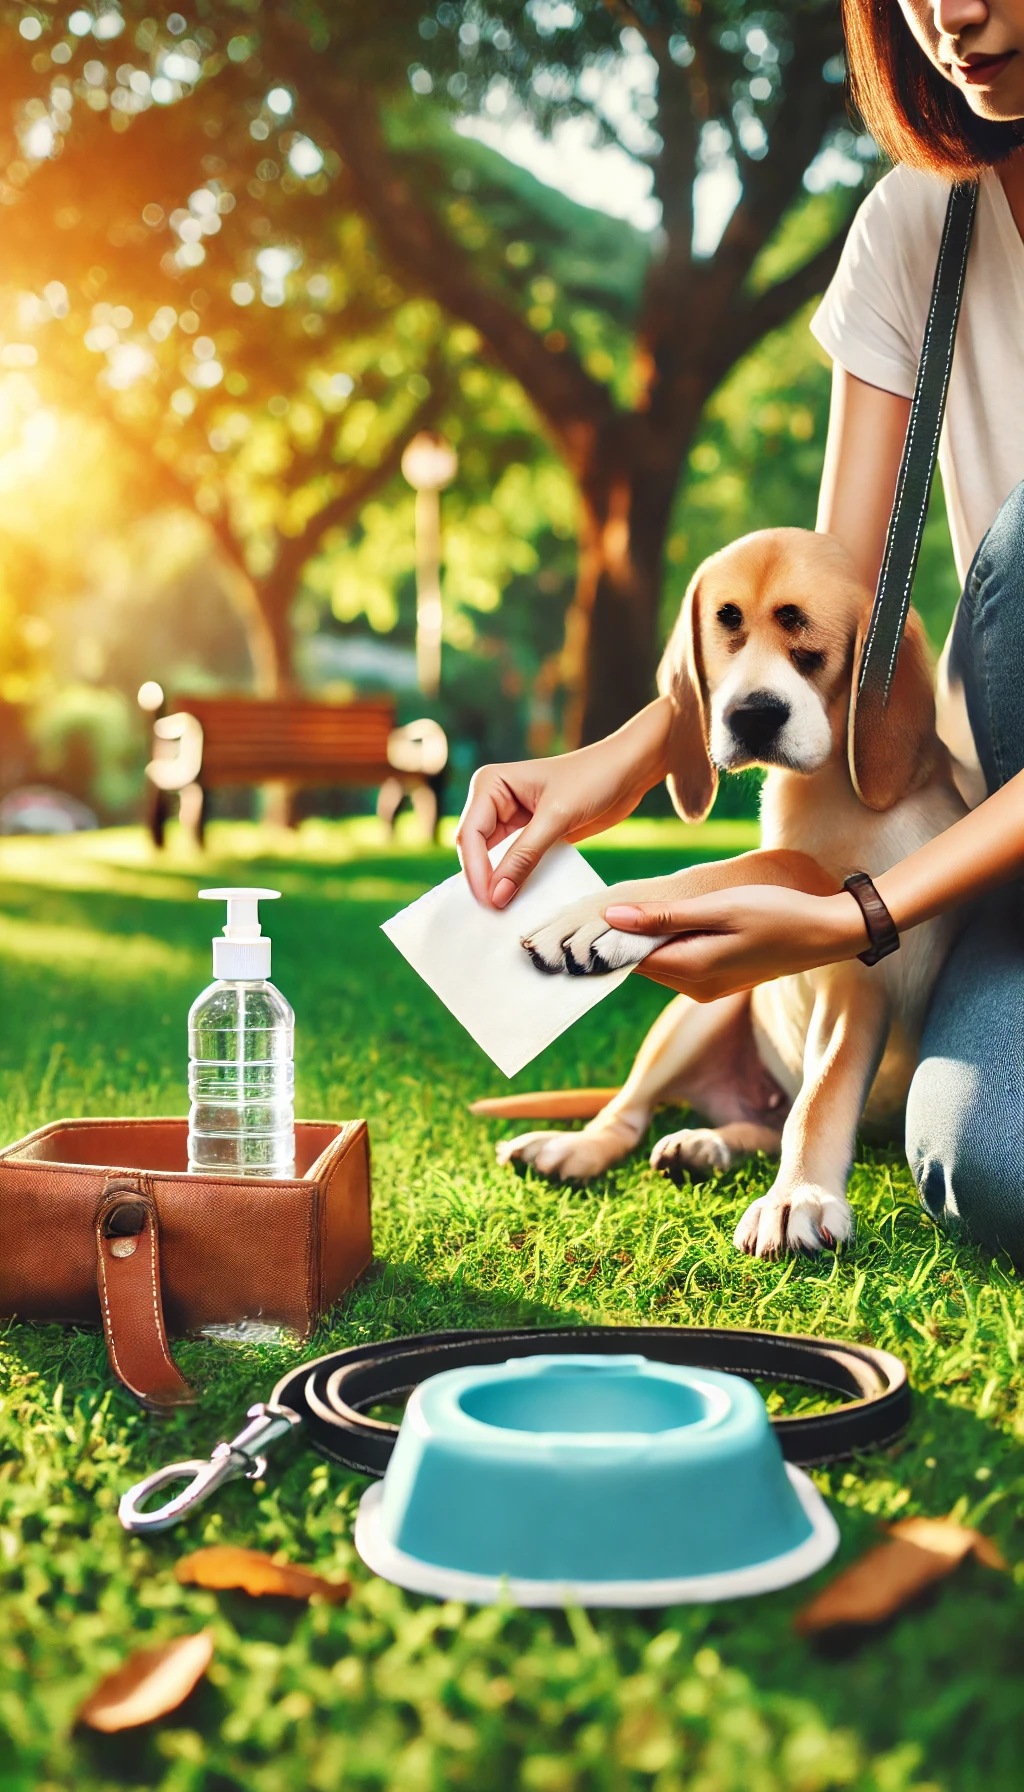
{"points": [[877, 919]]}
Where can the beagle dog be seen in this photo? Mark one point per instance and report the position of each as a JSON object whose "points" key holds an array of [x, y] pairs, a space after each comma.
{"points": [[761, 669]]}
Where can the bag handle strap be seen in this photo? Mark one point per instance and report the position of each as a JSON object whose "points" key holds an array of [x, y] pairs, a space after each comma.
{"points": [[917, 467], [128, 1278]]}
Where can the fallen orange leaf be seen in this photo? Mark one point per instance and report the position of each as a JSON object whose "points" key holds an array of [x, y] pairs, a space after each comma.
{"points": [[149, 1684], [224, 1566], [946, 1537], [918, 1552]]}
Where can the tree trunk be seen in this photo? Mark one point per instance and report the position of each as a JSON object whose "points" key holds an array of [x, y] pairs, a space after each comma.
{"points": [[272, 642], [266, 624], [275, 677], [613, 626]]}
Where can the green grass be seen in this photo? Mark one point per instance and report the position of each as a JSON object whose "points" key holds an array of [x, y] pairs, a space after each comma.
{"points": [[102, 949]]}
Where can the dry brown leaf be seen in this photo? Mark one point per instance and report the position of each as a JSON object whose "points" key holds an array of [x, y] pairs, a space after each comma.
{"points": [[919, 1551], [149, 1684], [947, 1537], [224, 1566]]}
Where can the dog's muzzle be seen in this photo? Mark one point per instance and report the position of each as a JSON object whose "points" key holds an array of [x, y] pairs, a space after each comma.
{"points": [[757, 721]]}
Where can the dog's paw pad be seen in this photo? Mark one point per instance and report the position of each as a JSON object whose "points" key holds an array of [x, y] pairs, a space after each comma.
{"points": [[807, 1220], [560, 1156], [697, 1151]]}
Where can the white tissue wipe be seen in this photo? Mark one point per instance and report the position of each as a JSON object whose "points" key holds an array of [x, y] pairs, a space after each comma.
{"points": [[471, 957]]}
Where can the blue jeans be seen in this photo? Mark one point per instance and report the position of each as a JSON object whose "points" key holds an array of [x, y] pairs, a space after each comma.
{"points": [[965, 1111]]}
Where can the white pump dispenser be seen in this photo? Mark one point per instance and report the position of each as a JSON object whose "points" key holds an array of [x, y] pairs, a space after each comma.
{"points": [[243, 953]]}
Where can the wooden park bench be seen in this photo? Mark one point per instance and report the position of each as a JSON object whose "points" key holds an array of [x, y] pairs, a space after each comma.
{"points": [[207, 742]]}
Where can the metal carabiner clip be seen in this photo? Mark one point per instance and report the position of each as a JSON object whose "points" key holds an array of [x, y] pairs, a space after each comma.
{"points": [[242, 1456]]}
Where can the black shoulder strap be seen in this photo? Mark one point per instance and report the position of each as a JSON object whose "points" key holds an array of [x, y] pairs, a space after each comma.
{"points": [[917, 468]]}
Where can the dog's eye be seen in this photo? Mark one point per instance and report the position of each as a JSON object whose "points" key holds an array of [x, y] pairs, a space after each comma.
{"points": [[730, 616], [790, 617], [805, 660]]}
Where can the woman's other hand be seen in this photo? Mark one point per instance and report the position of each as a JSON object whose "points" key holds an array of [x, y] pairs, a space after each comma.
{"points": [[737, 938], [569, 797]]}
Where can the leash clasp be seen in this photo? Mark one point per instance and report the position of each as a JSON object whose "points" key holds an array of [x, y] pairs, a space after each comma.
{"points": [[242, 1456]]}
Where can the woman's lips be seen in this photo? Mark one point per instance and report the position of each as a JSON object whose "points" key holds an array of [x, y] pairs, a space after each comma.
{"points": [[981, 71]]}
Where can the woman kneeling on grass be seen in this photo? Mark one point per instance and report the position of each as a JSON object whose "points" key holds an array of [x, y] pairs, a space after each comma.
{"points": [[941, 84]]}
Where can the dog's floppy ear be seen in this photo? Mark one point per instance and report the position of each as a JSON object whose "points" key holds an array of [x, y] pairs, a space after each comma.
{"points": [[892, 749], [692, 779]]}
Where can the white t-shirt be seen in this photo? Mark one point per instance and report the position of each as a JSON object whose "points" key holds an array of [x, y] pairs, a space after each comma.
{"points": [[872, 320]]}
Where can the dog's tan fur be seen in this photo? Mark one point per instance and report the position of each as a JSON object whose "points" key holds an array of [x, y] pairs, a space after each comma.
{"points": [[790, 1067]]}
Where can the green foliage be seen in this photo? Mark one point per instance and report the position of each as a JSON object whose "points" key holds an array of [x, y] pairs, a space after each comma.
{"points": [[88, 741], [756, 464], [102, 951]]}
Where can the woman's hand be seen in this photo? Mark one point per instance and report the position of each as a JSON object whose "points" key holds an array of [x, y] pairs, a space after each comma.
{"points": [[566, 798], [737, 938]]}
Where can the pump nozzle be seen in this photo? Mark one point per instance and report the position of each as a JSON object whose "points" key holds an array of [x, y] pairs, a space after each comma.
{"points": [[243, 953]]}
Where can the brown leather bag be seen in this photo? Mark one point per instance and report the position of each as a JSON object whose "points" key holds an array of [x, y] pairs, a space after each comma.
{"points": [[100, 1222]]}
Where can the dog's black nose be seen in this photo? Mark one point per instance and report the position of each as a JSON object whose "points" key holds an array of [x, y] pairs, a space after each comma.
{"points": [[757, 720]]}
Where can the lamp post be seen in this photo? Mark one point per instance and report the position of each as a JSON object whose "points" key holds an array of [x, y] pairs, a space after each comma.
{"points": [[429, 464]]}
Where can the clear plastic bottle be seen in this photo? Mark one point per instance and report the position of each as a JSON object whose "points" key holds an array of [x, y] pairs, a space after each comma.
{"points": [[241, 1075]]}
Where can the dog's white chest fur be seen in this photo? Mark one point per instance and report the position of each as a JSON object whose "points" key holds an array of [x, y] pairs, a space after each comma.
{"points": [[844, 836]]}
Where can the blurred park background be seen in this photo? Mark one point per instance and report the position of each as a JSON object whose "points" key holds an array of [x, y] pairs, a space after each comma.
{"points": [[250, 251]]}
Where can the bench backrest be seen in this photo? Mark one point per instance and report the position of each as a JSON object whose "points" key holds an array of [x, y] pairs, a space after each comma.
{"points": [[250, 740]]}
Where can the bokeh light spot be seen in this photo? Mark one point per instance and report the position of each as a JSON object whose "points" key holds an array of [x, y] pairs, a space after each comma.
{"points": [[280, 101], [38, 140], [30, 28], [178, 67], [304, 158], [277, 262]]}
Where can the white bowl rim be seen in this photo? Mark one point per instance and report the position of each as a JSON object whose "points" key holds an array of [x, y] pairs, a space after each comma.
{"points": [[417, 1576]]}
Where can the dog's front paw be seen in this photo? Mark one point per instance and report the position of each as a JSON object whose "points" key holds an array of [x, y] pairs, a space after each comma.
{"points": [[698, 1150], [561, 1156], [807, 1219], [580, 941]]}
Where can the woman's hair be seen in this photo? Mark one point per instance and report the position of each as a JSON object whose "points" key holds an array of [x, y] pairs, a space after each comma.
{"points": [[912, 111]]}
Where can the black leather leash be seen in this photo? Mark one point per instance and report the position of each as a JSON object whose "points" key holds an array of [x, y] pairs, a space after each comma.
{"points": [[331, 1397], [917, 467], [332, 1394]]}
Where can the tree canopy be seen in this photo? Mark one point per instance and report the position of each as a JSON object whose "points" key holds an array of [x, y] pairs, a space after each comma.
{"points": [[258, 228]]}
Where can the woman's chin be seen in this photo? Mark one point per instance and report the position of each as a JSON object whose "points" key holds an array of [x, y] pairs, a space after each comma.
{"points": [[999, 104]]}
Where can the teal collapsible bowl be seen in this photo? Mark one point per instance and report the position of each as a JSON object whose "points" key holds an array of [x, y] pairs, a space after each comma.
{"points": [[603, 1480]]}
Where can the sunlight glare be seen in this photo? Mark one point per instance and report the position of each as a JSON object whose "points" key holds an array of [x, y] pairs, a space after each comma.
{"points": [[27, 442]]}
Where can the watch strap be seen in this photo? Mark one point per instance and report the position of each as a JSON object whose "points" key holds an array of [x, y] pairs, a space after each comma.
{"points": [[877, 919]]}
